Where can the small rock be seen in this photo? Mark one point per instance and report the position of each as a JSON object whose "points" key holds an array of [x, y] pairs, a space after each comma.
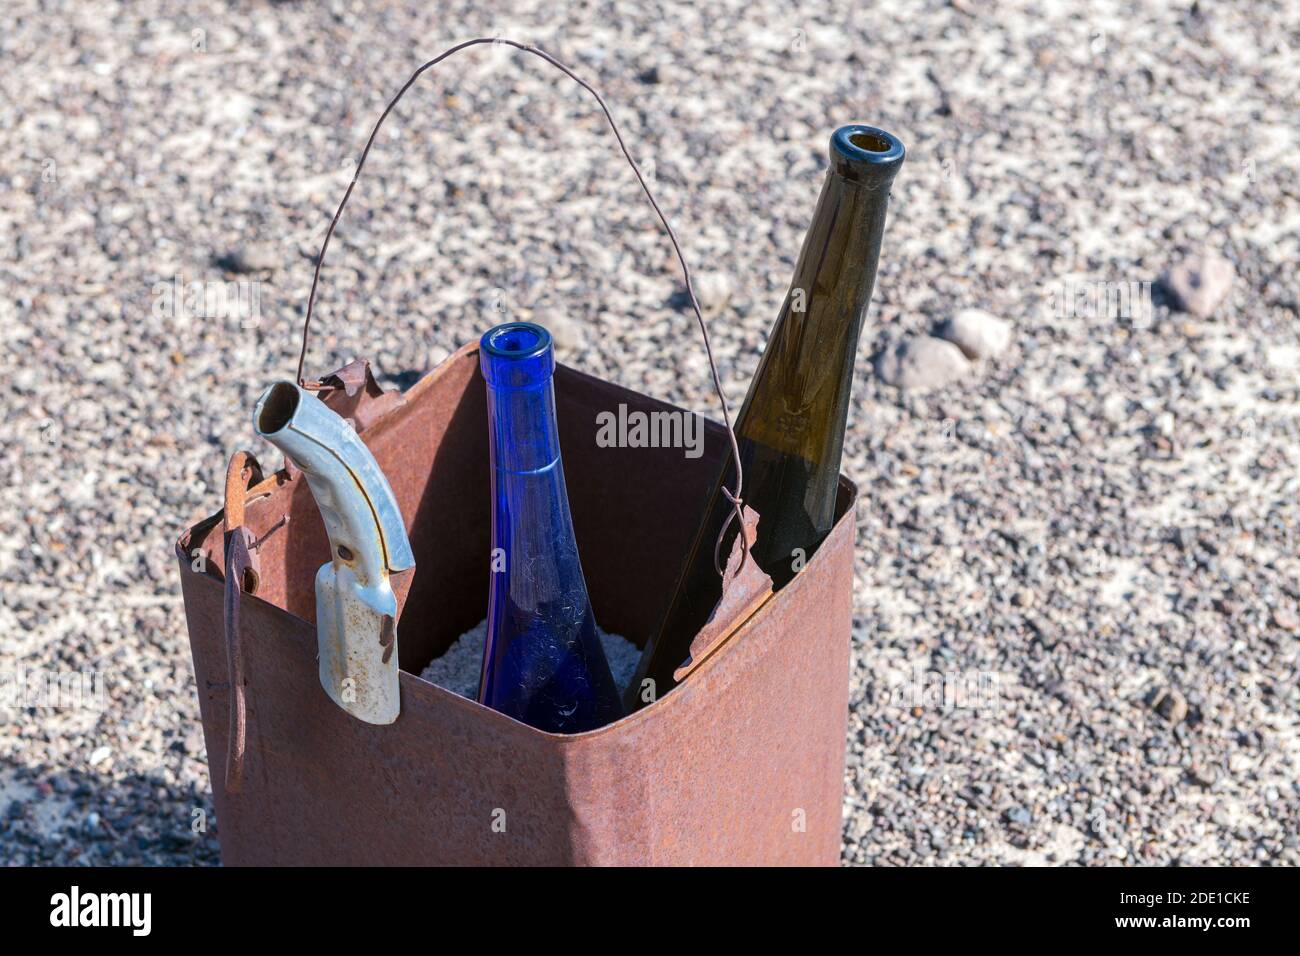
{"points": [[1047, 635], [1227, 607], [1285, 618], [712, 289], [1023, 597], [233, 107], [1020, 816], [1170, 704], [1199, 284], [977, 333], [650, 77], [1203, 775], [921, 363], [1115, 408], [254, 257], [99, 755], [193, 742]]}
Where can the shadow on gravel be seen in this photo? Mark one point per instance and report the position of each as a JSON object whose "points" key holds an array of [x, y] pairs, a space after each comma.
{"points": [[73, 817]]}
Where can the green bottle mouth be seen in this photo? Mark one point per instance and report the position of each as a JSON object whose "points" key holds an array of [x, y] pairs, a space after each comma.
{"points": [[866, 154]]}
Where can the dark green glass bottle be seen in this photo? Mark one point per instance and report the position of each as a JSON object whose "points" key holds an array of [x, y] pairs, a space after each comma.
{"points": [[791, 426]]}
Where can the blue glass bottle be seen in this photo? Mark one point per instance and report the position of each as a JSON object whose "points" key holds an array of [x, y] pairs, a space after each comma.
{"points": [[542, 663]]}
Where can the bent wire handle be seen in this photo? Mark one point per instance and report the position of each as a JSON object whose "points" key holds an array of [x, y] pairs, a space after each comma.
{"points": [[732, 495]]}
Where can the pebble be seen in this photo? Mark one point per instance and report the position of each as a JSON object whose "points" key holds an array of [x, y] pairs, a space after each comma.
{"points": [[921, 363], [258, 257], [977, 333], [712, 290], [1203, 775], [1286, 618], [1170, 704], [1199, 284], [1020, 816]]}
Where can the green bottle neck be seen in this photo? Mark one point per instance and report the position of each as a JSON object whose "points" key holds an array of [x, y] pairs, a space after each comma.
{"points": [[798, 401]]}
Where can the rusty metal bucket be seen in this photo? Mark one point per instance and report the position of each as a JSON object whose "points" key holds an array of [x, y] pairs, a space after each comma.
{"points": [[741, 764]]}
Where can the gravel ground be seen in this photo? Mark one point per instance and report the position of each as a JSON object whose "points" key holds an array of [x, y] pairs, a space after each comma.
{"points": [[1076, 626]]}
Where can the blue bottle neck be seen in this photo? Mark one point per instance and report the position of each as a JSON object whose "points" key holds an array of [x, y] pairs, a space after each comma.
{"points": [[518, 365], [524, 436]]}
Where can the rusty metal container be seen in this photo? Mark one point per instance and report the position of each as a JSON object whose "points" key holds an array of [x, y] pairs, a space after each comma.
{"points": [[741, 764]]}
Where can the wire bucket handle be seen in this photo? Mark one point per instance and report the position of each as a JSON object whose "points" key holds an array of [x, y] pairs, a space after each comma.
{"points": [[733, 495]]}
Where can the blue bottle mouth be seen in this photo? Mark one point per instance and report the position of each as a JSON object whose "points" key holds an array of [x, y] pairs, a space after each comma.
{"points": [[516, 355]]}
